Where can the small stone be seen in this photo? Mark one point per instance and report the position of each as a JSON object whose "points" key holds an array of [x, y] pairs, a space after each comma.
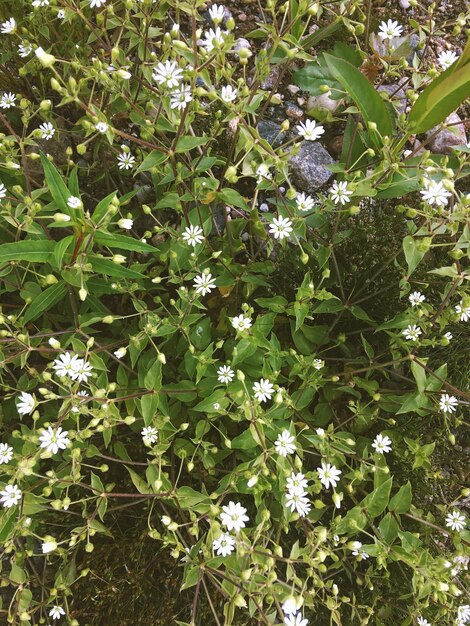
{"points": [[308, 166], [396, 95], [324, 101], [292, 110], [243, 17], [443, 141], [405, 4], [240, 43], [272, 78], [293, 89], [272, 132]]}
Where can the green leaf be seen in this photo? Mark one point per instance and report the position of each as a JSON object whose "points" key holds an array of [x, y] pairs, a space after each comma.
{"points": [[413, 254], [439, 99], [45, 301], [34, 251], [102, 208], [376, 502], [153, 378], [389, 528], [401, 501], [233, 198], [60, 249], [188, 143], [369, 102], [139, 483], [123, 242], [151, 160], [109, 268], [57, 187]]}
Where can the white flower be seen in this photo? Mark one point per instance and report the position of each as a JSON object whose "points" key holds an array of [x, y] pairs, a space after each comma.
{"points": [[74, 203], [120, 353], [310, 131], [233, 516], [47, 130], [447, 58], [6, 453], [57, 611], [24, 50], [61, 14], [455, 520], [64, 365], [318, 364], [289, 606], [298, 502], [225, 374], [295, 620], [328, 475], [149, 435], [434, 193], [101, 127], [390, 29], [8, 27], [49, 546], [423, 622], [3, 191], [204, 283], [7, 100], [40, 3], [193, 235], [96, 3], [412, 333], [167, 74], [320, 432], [285, 443], [280, 227], [463, 614], [81, 371], [448, 335], [180, 97], [340, 192], [224, 545], [213, 39], [240, 322], [416, 297], [357, 545], [304, 202], [382, 443], [228, 93], [217, 13], [262, 173], [126, 223], [126, 161], [463, 312], [54, 439], [448, 404], [263, 390], [296, 484], [26, 403], [11, 495]]}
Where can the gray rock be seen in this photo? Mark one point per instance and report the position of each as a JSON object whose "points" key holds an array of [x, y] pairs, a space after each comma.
{"points": [[442, 142], [396, 95], [308, 166], [272, 78], [271, 131], [324, 101], [240, 43], [414, 41]]}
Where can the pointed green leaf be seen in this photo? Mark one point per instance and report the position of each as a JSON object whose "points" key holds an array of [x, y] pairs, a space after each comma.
{"points": [[34, 251], [45, 301]]}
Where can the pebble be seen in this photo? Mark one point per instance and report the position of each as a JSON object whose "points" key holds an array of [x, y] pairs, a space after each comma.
{"points": [[293, 89], [272, 78], [397, 96], [308, 166], [292, 110], [444, 141], [323, 101]]}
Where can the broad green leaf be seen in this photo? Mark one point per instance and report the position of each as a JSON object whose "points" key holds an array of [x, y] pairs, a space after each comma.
{"points": [[45, 301], [139, 483], [122, 241], [376, 502], [369, 102], [34, 251], [151, 160], [233, 197], [439, 99], [101, 208], [60, 249], [401, 501], [109, 268], [389, 528], [413, 254], [57, 187], [188, 143]]}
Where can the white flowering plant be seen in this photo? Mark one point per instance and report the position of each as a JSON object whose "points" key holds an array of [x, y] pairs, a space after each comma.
{"points": [[257, 360]]}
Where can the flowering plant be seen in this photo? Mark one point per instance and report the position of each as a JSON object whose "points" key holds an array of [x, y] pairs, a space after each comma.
{"points": [[258, 360]]}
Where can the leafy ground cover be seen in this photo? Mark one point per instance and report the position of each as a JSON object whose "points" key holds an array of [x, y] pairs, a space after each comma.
{"points": [[234, 337]]}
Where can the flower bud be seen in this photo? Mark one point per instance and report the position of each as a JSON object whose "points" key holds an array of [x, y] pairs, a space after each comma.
{"points": [[45, 59]]}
